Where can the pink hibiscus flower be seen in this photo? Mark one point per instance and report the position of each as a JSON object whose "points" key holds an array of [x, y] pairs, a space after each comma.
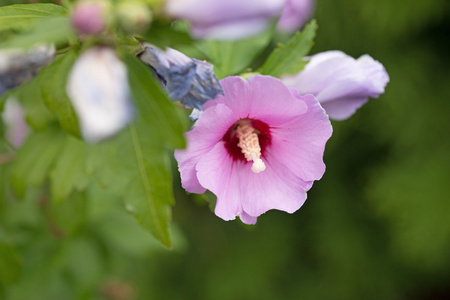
{"points": [[258, 147]]}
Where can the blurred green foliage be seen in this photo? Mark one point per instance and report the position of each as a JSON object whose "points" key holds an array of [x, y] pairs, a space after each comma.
{"points": [[375, 226]]}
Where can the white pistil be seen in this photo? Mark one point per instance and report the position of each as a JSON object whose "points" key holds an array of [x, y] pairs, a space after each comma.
{"points": [[249, 143]]}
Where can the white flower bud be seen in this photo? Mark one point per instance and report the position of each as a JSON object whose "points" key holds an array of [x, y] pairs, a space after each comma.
{"points": [[100, 94]]}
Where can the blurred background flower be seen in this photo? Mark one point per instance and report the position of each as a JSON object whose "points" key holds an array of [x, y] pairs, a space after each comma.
{"points": [[232, 19], [17, 129], [295, 14], [99, 92], [90, 16]]}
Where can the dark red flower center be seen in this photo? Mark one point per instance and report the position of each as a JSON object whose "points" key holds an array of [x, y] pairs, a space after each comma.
{"points": [[231, 137]]}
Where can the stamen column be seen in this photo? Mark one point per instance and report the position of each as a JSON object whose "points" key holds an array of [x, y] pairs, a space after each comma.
{"points": [[249, 143]]}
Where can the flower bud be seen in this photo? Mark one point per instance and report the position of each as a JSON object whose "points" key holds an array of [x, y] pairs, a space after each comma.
{"points": [[188, 80], [18, 66], [89, 17], [133, 16], [341, 83], [98, 89]]}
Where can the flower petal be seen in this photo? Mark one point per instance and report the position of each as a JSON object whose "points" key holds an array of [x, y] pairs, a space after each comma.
{"points": [[200, 140], [375, 72], [322, 70], [231, 30], [262, 98], [13, 116], [295, 14], [247, 219], [299, 144], [274, 188], [343, 109], [240, 192], [217, 172]]}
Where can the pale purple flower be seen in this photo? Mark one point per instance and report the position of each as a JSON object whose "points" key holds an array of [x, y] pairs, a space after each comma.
{"points": [[89, 17], [230, 19], [295, 14], [341, 83], [188, 80], [16, 127], [258, 147], [99, 92]]}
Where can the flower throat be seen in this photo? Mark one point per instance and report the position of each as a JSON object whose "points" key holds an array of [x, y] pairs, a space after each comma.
{"points": [[246, 140]]}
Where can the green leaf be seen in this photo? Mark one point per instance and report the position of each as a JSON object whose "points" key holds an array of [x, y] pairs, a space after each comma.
{"points": [[69, 172], [10, 264], [206, 198], [52, 81], [45, 31], [163, 35], [135, 163], [21, 16], [69, 217], [150, 198], [129, 45], [155, 109], [230, 58], [85, 266], [289, 58], [137, 168], [34, 160], [36, 113]]}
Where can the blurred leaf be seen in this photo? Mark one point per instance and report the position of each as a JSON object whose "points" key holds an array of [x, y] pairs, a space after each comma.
{"points": [[10, 264], [124, 234], [150, 197], [68, 218], [84, 263], [69, 172], [4, 183], [230, 58], [34, 160], [135, 163], [52, 81], [129, 45], [45, 31], [3, 98], [44, 277], [155, 109], [164, 35], [36, 113], [137, 168], [23, 15], [289, 58]]}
